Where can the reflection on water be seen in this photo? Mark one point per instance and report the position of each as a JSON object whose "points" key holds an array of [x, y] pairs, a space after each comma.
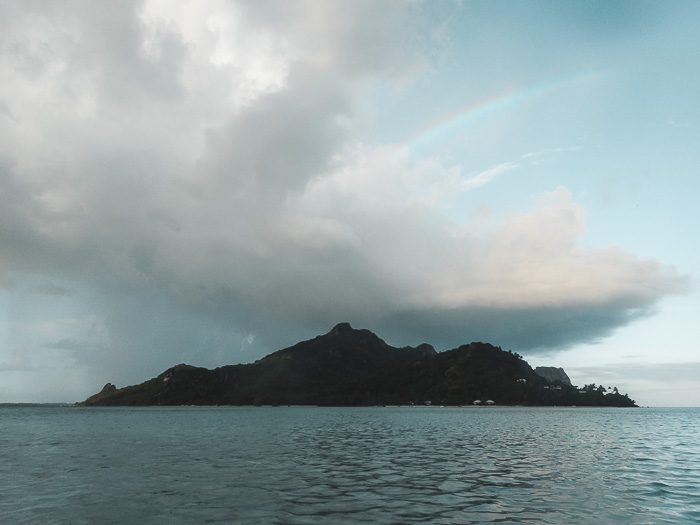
{"points": [[349, 465]]}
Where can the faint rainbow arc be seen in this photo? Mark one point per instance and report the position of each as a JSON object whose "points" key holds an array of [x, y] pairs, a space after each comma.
{"points": [[468, 116]]}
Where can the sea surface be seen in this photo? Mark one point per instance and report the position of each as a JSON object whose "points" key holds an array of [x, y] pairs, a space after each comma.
{"points": [[300, 465]]}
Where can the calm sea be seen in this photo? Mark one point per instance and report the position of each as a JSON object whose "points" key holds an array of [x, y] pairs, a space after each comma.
{"points": [[289, 465]]}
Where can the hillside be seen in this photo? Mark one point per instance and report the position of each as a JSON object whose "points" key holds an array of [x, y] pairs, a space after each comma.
{"points": [[348, 367]]}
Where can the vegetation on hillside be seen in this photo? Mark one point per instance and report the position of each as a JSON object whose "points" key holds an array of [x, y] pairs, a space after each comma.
{"points": [[349, 367]]}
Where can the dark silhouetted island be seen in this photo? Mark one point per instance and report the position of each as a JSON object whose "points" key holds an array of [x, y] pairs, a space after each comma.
{"points": [[349, 367]]}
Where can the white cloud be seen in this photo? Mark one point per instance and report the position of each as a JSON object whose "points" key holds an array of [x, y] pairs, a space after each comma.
{"points": [[484, 177]]}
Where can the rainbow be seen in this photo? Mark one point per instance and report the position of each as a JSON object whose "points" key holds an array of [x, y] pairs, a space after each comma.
{"points": [[471, 115]]}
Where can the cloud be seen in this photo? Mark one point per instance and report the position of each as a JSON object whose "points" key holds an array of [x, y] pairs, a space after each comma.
{"points": [[487, 176], [196, 175], [484, 177], [522, 282], [53, 289]]}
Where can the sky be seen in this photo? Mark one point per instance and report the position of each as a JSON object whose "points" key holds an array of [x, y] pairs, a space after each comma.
{"points": [[208, 182]]}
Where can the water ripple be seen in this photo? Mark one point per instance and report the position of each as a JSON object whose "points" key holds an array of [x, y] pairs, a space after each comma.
{"points": [[374, 465]]}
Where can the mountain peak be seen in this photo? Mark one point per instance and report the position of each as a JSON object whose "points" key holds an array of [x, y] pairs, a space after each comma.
{"points": [[341, 329]]}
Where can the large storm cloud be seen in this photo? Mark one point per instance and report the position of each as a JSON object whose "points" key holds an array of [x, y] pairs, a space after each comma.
{"points": [[193, 183]]}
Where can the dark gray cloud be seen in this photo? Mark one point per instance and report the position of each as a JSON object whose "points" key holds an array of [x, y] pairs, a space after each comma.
{"points": [[530, 330]]}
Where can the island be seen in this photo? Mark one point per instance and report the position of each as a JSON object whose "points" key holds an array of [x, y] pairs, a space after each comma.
{"points": [[350, 367]]}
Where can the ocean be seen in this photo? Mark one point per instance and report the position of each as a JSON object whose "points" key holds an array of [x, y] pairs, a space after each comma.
{"points": [[382, 465]]}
